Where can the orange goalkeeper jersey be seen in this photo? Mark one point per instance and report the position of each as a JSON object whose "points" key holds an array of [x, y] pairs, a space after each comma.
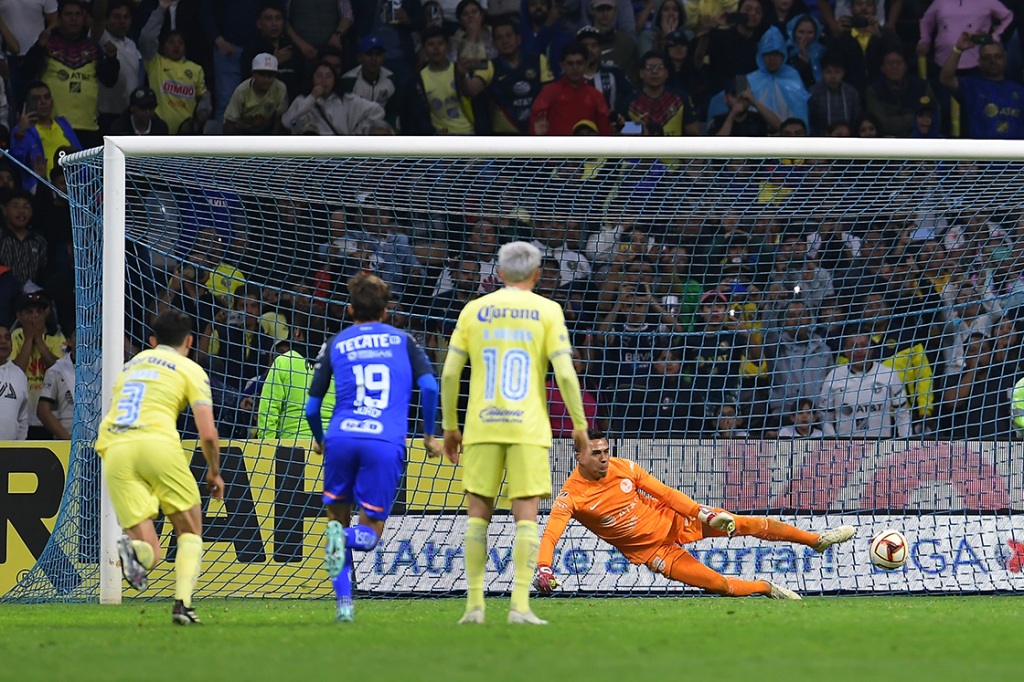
{"points": [[629, 509]]}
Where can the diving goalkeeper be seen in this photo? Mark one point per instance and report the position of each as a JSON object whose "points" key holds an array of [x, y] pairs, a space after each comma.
{"points": [[603, 494]]}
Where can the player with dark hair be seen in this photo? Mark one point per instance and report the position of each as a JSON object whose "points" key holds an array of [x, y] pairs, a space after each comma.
{"points": [[145, 466], [649, 522], [508, 337], [374, 367]]}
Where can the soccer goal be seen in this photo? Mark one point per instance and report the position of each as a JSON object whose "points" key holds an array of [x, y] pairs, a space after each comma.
{"points": [[822, 330]]}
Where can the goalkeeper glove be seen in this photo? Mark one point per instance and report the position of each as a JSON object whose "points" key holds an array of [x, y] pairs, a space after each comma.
{"points": [[719, 520], [545, 580]]}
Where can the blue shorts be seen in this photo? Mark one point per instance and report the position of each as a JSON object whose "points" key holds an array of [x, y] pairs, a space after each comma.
{"points": [[365, 470]]}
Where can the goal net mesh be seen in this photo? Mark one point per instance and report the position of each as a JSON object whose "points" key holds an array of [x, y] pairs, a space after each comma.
{"points": [[823, 341]]}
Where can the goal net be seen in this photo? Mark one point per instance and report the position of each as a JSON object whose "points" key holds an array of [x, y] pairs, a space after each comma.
{"points": [[824, 331]]}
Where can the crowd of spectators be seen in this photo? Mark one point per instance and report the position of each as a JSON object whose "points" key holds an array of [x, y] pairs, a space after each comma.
{"points": [[756, 324], [686, 322], [74, 70]]}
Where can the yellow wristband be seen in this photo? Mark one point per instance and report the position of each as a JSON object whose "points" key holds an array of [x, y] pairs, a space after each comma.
{"points": [[957, 50]]}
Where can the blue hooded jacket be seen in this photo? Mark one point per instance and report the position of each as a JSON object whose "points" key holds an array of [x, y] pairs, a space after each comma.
{"points": [[815, 51], [783, 91]]}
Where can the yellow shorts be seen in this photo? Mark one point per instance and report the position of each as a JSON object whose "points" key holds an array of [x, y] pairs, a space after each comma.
{"points": [[144, 477], [528, 469]]}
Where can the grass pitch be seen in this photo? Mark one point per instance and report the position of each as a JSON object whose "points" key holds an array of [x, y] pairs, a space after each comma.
{"points": [[699, 639]]}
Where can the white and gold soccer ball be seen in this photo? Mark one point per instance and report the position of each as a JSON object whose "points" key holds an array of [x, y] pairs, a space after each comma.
{"points": [[888, 549]]}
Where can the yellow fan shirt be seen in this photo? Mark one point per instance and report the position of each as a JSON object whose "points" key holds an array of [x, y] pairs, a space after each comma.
{"points": [[178, 86]]}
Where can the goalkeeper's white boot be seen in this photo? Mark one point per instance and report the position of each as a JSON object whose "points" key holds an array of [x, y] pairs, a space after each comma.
{"points": [[779, 592], [472, 617], [334, 550], [834, 537], [524, 618]]}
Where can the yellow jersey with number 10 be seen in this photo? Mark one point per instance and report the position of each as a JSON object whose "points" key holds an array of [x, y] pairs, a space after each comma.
{"points": [[152, 390], [509, 337]]}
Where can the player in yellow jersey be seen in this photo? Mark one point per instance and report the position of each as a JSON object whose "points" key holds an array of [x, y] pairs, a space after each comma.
{"points": [[145, 465], [508, 338]]}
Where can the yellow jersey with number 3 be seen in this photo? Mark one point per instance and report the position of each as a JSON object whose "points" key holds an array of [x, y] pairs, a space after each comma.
{"points": [[509, 337], [153, 388]]}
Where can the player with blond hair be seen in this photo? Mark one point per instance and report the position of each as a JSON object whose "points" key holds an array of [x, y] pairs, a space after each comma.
{"points": [[508, 337], [649, 522], [145, 466]]}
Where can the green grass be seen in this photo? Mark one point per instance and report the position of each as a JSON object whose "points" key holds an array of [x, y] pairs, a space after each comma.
{"points": [[666, 639]]}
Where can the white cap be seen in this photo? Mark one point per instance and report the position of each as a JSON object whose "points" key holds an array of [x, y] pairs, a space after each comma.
{"points": [[264, 61]]}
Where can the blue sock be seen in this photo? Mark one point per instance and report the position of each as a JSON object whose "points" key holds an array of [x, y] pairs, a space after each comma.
{"points": [[360, 537], [343, 583], [357, 537]]}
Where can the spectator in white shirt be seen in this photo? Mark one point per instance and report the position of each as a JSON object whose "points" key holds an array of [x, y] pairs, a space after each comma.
{"points": [[24, 20], [13, 393], [113, 29]]}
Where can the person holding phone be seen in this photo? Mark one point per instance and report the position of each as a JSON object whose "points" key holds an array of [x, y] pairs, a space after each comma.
{"points": [[39, 134], [863, 45], [631, 334], [724, 50], [989, 91], [837, 16], [747, 116], [944, 21]]}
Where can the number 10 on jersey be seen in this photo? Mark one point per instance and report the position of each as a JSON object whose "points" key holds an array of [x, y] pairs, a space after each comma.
{"points": [[507, 371]]}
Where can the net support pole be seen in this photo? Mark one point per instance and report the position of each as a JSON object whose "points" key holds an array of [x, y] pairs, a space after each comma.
{"points": [[112, 347]]}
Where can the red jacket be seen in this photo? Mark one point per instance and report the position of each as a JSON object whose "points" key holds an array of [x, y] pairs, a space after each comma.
{"points": [[566, 105]]}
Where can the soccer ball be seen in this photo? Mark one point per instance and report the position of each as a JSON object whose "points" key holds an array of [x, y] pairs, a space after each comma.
{"points": [[888, 549]]}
